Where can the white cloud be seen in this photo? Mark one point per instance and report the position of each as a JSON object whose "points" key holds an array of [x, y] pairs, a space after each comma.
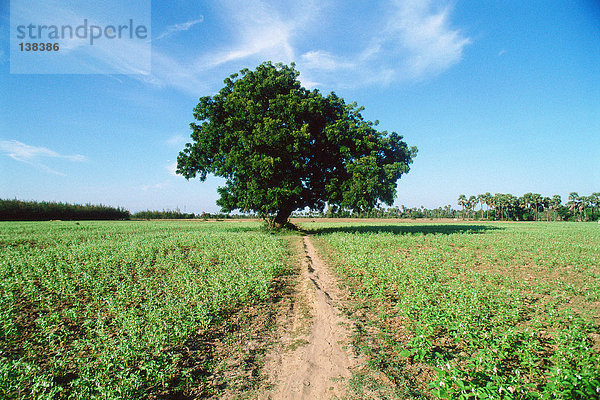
{"points": [[172, 168], [177, 140], [32, 154], [410, 40], [322, 60], [76, 54], [156, 186], [184, 26], [415, 42], [170, 72], [259, 32], [432, 45], [23, 152]]}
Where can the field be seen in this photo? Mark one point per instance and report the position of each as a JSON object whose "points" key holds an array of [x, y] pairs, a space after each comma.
{"points": [[475, 311], [458, 310], [108, 309]]}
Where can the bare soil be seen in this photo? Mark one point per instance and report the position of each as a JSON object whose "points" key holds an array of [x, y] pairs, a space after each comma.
{"points": [[314, 359]]}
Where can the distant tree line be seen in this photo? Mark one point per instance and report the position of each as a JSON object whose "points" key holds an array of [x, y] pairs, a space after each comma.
{"points": [[168, 214], [164, 214], [383, 212], [17, 210], [531, 207], [498, 207]]}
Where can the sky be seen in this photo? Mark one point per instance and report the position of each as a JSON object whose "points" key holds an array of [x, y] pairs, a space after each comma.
{"points": [[499, 97]]}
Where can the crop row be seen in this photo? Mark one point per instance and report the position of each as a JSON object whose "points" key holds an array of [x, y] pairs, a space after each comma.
{"points": [[99, 309], [487, 311]]}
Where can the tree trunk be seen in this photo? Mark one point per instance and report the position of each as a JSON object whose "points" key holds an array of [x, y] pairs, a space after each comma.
{"points": [[282, 216]]}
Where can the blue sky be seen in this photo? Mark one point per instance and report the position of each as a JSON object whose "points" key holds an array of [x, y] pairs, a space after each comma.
{"points": [[498, 97]]}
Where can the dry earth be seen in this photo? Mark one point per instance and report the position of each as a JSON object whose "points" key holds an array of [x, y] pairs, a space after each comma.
{"points": [[314, 358]]}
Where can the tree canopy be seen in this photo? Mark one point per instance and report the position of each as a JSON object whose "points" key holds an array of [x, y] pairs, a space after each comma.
{"points": [[282, 147]]}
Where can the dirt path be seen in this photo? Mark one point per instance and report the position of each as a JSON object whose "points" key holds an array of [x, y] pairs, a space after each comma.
{"points": [[314, 361]]}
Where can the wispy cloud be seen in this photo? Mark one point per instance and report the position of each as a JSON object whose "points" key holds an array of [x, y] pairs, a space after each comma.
{"points": [[156, 186], [32, 155], [177, 140], [259, 32], [168, 71], [409, 40], [23, 152], [415, 42], [322, 60], [76, 54], [185, 26], [171, 168], [425, 33]]}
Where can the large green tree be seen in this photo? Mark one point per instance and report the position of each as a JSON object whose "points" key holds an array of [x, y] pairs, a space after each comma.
{"points": [[282, 147]]}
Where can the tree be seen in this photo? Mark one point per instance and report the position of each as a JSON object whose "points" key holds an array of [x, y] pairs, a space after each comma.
{"points": [[574, 203], [533, 203], [545, 205], [512, 205], [537, 204], [498, 201], [489, 200], [555, 204], [584, 203], [462, 201], [282, 147], [595, 202], [471, 203], [481, 200]]}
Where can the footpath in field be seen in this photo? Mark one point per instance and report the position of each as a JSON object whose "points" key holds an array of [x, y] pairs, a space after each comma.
{"points": [[316, 360]]}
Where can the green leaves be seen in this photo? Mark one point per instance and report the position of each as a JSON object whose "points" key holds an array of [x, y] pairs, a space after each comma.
{"points": [[97, 310], [488, 311], [283, 147]]}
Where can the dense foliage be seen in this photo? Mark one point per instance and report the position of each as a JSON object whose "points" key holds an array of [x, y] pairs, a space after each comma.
{"points": [[107, 310], [500, 311], [533, 206], [164, 214], [17, 210], [500, 207], [282, 147]]}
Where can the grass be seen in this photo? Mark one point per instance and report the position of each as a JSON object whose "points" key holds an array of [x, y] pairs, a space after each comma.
{"points": [[154, 309], [111, 309], [475, 311]]}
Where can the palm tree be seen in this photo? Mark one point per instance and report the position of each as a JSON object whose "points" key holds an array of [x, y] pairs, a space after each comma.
{"points": [[462, 201], [555, 204], [471, 203], [536, 203], [526, 201], [583, 206], [512, 203], [498, 205], [546, 206], [488, 202], [573, 202], [481, 200], [595, 201]]}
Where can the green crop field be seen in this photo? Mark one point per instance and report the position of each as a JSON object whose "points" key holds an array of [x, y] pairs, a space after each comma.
{"points": [[476, 310], [462, 310], [102, 309]]}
